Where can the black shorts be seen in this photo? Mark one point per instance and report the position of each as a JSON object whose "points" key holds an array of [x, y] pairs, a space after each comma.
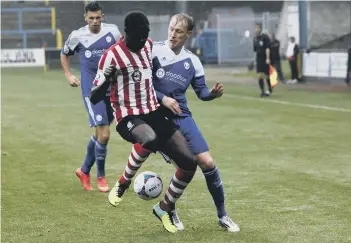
{"points": [[159, 120], [262, 66]]}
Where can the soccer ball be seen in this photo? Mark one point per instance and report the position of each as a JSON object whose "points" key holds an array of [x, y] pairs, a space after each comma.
{"points": [[148, 185]]}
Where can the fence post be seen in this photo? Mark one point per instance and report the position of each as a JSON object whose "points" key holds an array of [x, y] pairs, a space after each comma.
{"points": [[20, 20], [59, 39], [24, 40], [302, 5], [53, 19]]}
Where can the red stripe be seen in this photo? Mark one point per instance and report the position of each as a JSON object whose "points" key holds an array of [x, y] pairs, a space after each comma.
{"points": [[148, 98], [130, 166], [102, 61], [136, 84], [150, 42], [142, 59], [113, 62], [173, 193], [150, 88], [115, 106], [148, 56], [134, 64], [123, 68], [114, 90]]}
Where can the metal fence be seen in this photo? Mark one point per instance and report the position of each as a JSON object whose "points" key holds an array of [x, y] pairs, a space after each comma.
{"points": [[235, 35], [158, 25]]}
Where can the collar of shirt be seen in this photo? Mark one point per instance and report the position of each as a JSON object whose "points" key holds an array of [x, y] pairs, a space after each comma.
{"points": [[173, 54]]}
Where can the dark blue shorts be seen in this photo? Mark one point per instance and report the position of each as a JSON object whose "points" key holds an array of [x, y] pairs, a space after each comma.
{"points": [[192, 134], [100, 114]]}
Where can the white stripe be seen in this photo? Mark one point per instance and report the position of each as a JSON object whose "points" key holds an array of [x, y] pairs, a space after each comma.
{"points": [[120, 85], [143, 87], [153, 96], [269, 100], [152, 92], [129, 171], [127, 179], [172, 199], [176, 190], [132, 88], [136, 156], [90, 110], [210, 172], [178, 181], [133, 163]]}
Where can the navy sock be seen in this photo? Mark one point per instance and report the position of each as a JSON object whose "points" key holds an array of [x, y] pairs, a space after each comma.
{"points": [[100, 157], [214, 185], [89, 156]]}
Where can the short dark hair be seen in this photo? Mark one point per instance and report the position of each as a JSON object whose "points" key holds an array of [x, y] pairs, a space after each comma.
{"points": [[93, 7], [259, 24], [187, 18]]}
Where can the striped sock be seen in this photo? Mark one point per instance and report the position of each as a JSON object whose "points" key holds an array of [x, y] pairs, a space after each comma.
{"points": [[179, 182], [135, 160]]}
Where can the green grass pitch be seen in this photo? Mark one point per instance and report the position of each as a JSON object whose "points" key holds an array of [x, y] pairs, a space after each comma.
{"points": [[285, 168]]}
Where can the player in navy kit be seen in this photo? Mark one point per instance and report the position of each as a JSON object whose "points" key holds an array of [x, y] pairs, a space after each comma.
{"points": [[174, 70], [90, 43]]}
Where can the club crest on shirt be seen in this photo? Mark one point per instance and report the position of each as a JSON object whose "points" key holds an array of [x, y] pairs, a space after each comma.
{"points": [[87, 54], [160, 73], [108, 39], [186, 65], [261, 43], [136, 76]]}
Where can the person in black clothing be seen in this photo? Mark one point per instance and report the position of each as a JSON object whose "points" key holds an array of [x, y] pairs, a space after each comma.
{"points": [[292, 55], [261, 46], [275, 56]]}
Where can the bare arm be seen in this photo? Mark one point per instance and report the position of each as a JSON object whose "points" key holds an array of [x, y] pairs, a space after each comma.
{"points": [[71, 79], [65, 65], [268, 52]]}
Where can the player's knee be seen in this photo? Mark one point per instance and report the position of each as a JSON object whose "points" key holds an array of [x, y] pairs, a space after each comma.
{"points": [[103, 135], [206, 164], [150, 142]]}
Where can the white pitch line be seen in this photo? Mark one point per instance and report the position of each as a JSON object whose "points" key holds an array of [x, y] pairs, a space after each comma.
{"points": [[270, 100]]}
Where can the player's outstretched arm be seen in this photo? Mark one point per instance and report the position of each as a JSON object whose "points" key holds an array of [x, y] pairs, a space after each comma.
{"points": [[69, 50], [202, 91], [199, 84], [102, 82], [71, 79], [106, 74]]}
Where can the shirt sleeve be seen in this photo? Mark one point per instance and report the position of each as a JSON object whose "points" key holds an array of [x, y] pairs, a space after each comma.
{"points": [[70, 45], [198, 83], [116, 33], [100, 84]]}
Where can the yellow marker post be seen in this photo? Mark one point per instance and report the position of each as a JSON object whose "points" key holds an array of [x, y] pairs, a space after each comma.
{"points": [[53, 20], [59, 39]]}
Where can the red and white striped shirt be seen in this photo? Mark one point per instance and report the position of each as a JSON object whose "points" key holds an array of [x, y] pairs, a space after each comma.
{"points": [[133, 93]]}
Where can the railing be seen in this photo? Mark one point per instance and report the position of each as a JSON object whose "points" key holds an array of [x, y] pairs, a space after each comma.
{"points": [[25, 32]]}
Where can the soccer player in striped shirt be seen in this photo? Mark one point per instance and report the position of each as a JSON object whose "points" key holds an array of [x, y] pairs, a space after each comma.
{"points": [[90, 42], [127, 67], [174, 70]]}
